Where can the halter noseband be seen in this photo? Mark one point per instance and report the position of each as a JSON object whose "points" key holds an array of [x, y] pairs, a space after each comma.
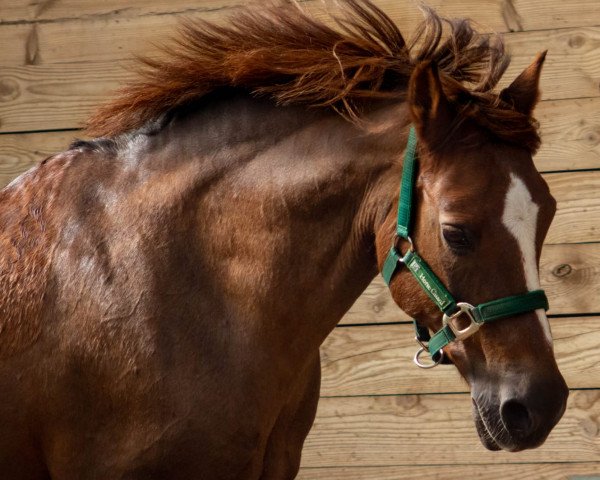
{"points": [[431, 284]]}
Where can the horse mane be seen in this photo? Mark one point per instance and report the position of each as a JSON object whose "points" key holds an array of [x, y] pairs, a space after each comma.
{"points": [[281, 52]]}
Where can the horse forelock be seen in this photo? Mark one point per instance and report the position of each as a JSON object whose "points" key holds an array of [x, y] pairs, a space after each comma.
{"points": [[281, 52]]}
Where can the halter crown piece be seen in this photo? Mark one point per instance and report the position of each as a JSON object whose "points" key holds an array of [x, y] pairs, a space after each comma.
{"points": [[451, 330]]}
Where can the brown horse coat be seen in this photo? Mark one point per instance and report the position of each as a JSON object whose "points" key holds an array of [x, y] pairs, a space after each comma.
{"points": [[165, 290]]}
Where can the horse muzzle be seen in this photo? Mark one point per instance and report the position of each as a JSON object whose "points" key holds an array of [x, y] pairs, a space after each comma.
{"points": [[520, 414]]}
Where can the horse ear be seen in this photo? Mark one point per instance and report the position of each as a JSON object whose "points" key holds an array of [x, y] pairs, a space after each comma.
{"points": [[523, 93], [428, 104]]}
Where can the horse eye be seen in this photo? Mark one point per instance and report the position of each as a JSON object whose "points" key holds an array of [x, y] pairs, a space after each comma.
{"points": [[457, 238]]}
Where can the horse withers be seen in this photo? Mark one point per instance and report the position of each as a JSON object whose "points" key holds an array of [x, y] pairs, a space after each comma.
{"points": [[167, 285]]}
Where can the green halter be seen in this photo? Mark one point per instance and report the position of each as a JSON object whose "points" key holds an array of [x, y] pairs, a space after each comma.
{"points": [[431, 284]]}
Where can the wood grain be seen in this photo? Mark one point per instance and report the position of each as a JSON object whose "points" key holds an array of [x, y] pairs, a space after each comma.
{"points": [[496, 15], [89, 40], [538, 471], [570, 135], [571, 276], [30, 11], [377, 360], [578, 216], [44, 85], [19, 152], [569, 51], [572, 69], [40, 97], [436, 430]]}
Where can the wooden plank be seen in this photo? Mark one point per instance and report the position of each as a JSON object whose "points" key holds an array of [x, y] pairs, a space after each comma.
{"points": [[375, 305], [578, 216], [496, 15], [43, 94], [19, 152], [569, 273], [19, 38], [570, 128], [436, 430], [22, 11], [569, 51], [38, 97], [89, 41], [54, 97], [571, 276], [570, 135], [377, 360], [537, 471], [572, 69]]}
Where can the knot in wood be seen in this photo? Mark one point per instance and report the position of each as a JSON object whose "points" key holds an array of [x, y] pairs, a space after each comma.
{"points": [[9, 89], [562, 270], [592, 138], [576, 41]]}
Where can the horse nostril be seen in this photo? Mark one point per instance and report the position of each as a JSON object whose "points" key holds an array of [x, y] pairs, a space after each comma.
{"points": [[516, 418]]}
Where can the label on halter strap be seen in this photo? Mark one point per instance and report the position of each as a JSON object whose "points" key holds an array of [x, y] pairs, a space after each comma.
{"points": [[429, 282]]}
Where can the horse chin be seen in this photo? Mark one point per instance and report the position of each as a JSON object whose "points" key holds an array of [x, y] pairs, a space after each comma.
{"points": [[486, 438]]}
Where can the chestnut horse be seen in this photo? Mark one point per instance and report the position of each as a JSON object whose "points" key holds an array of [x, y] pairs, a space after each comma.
{"points": [[166, 287]]}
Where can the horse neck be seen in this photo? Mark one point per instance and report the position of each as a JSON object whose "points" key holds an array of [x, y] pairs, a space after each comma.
{"points": [[291, 199]]}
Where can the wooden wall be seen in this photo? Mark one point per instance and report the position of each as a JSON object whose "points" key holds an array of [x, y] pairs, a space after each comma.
{"points": [[379, 417]]}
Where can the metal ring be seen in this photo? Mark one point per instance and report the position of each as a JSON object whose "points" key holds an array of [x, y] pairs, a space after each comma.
{"points": [[424, 365], [398, 239]]}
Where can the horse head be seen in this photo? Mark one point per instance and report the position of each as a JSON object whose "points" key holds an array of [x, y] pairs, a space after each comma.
{"points": [[481, 213]]}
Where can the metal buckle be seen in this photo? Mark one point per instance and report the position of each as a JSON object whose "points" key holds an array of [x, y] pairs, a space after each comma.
{"points": [[461, 334], [417, 361]]}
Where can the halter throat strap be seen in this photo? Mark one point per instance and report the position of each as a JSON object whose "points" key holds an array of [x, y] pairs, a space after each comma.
{"points": [[433, 286]]}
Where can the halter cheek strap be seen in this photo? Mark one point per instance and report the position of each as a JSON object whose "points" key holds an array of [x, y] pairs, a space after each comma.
{"points": [[452, 311]]}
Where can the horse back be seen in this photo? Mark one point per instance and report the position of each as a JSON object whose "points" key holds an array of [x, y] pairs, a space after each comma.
{"points": [[28, 234], [98, 335]]}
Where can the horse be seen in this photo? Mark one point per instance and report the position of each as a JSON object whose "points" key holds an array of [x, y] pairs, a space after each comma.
{"points": [[166, 284]]}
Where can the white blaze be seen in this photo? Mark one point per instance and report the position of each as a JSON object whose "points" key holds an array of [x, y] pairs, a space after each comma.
{"points": [[520, 218]]}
